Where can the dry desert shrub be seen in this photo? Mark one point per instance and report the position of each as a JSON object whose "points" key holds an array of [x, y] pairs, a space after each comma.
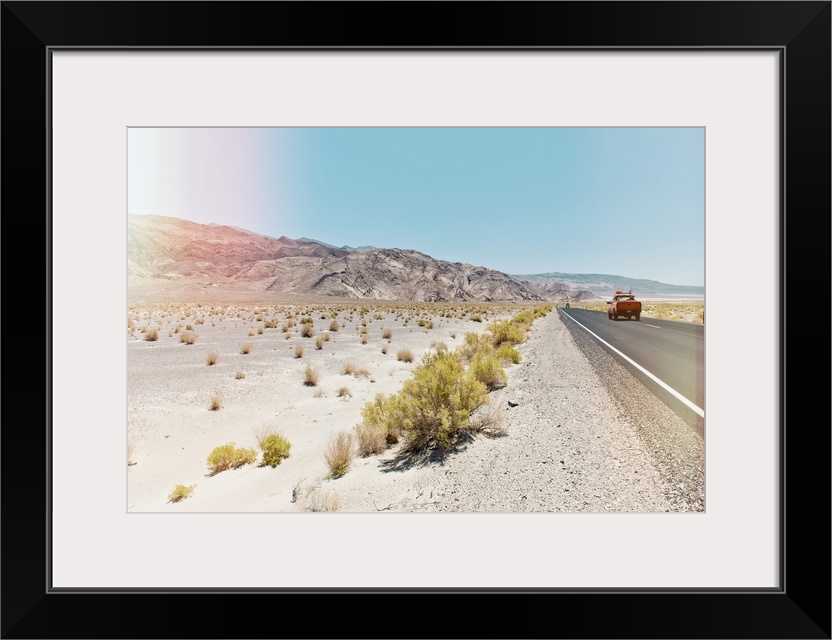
{"points": [[372, 438], [287, 335], [307, 331], [298, 351], [319, 342], [259, 331], [180, 492], [344, 392], [245, 348], [251, 333], [229, 456], [326, 336], [239, 375], [187, 337], [310, 376], [151, 335], [322, 500], [216, 402], [296, 490], [333, 326], [489, 420], [349, 368], [364, 339], [404, 355], [384, 349], [339, 453], [211, 358], [440, 346]]}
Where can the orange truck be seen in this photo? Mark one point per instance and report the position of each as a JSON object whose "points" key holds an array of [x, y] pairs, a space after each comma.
{"points": [[624, 305]]}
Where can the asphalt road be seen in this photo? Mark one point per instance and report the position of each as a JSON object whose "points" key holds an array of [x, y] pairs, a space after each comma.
{"points": [[668, 355]]}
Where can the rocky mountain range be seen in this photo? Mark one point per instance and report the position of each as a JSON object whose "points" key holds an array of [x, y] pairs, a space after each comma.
{"points": [[604, 285], [164, 249]]}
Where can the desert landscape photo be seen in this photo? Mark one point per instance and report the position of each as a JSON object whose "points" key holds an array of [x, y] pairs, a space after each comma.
{"points": [[415, 320]]}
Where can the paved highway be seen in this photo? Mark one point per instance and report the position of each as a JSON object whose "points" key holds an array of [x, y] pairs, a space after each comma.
{"points": [[664, 353]]}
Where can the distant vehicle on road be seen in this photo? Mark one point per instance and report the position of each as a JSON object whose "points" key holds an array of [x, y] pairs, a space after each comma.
{"points": [[624, 305]]}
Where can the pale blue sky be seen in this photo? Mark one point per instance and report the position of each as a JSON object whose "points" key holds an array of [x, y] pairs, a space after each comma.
{"points": [[627, 201]]}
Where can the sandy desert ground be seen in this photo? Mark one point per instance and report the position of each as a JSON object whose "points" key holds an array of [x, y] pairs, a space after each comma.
{"points": [[180, 408], [172, 426]]}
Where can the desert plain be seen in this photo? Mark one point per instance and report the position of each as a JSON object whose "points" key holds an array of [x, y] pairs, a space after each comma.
{"points": [[558, 438]]}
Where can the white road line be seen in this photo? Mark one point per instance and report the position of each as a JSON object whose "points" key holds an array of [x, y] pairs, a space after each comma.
{"points": [[651, 325], [663, 385]]}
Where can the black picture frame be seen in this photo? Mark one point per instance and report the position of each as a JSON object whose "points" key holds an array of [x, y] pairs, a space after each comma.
{"points": [[799, 608]]}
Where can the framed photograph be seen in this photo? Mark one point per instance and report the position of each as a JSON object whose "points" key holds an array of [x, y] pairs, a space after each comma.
{"points": [[424, 185]]}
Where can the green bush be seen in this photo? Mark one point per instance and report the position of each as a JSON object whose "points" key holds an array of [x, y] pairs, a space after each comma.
{"points": [[506, 331], [474, 344], [433, 407], [180, 492], [507, 353], [228, 456], [488, 370], [380, 412], [275, 449]]}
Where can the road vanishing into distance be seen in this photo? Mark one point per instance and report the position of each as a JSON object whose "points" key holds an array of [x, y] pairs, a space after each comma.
{"points": [[667, 356]]}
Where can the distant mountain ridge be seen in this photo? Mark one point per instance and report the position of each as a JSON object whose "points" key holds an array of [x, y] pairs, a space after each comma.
{"points": [[603, 284], [345, 247], [164, 249]]}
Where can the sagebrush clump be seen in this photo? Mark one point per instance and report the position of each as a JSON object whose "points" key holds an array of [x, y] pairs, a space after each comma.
{"points": [[180, 492], [488, 370], [433, 407], [339, 453], [310, 376], [229, 456], [507, 353], [275, 449], [371, 438]]}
